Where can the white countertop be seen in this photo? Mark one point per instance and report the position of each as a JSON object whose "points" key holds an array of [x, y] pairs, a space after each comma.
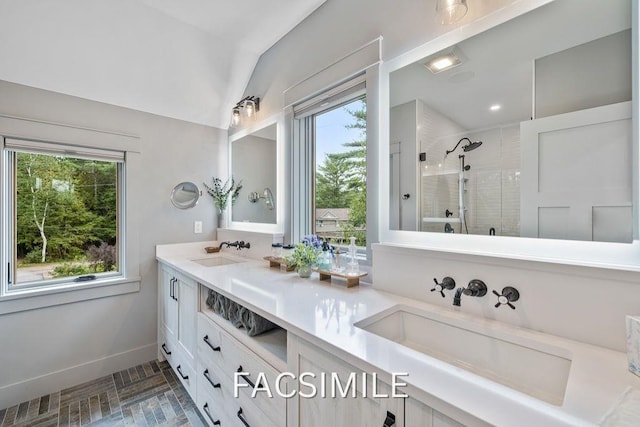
{"points": [[325, 313]]}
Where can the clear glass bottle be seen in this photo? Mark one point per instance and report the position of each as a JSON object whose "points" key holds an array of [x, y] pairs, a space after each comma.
{"points": [[286, 252], [353, 269], [276, 250]]}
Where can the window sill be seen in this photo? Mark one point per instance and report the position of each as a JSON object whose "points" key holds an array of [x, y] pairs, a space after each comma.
{"points": [[32, 299]]}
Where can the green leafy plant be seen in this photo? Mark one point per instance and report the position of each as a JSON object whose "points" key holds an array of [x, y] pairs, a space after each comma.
{"points": [[222, 192], [71, 269], [303, 255]]}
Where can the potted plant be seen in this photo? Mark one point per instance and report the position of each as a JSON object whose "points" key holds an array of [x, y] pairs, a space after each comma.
{"points": [[303, 257], [221, 193]]}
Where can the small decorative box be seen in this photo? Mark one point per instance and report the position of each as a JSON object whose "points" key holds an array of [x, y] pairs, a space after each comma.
{"points": [[633, 343]]}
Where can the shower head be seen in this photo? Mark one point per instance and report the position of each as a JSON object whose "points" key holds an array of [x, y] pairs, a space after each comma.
{"points": [[471, 146]]}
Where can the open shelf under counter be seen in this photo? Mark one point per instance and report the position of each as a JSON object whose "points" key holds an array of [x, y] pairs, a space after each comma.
{"points": [[270, 346]]}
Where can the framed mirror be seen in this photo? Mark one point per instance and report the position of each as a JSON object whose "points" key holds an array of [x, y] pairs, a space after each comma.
{"points": [[256, 162], [518, 125], [185, 195]]}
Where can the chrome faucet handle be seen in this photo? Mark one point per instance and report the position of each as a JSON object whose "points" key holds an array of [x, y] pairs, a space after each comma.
{"points": [[475, 288], [509, 294], [447, 283]]}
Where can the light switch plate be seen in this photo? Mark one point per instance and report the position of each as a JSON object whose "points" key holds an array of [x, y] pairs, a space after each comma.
{"points": [[197, 227]]}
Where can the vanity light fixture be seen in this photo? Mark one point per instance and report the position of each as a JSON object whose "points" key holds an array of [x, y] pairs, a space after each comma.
{"points": [[443, 61], [246, 108], [450, 11]]}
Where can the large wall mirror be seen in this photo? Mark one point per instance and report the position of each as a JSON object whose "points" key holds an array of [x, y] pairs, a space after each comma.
{"points": [[522, 130], [255, 163]]}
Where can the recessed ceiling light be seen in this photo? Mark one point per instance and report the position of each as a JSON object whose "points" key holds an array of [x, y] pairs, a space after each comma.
{"points": [[495, 107], [444, 60]]}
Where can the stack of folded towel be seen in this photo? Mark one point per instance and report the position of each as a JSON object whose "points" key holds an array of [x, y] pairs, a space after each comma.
{"points": [[238, 315]]}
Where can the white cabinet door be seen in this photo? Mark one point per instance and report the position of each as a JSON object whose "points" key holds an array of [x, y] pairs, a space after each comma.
{"points": [[361, 409], [187, 306], [168, 304]]}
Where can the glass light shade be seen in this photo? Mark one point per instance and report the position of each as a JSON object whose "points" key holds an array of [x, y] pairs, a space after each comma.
{"points": [[249, 108], [450, 11], [235, 117]]}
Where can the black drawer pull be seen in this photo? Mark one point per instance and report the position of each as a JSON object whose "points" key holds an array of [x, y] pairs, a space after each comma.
{"points": [[242, 418], [206, 375], [214, 348], [164, 348], [205, 408], [390, 420], [184, 377], [246, 378]]}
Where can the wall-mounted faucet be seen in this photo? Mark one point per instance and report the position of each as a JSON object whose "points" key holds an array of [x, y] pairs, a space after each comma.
{"points": [[237, 244], [475, 288]]}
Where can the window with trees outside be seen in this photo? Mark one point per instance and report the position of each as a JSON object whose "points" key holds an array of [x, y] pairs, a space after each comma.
{"points": [[340, 136], [64, 215]]}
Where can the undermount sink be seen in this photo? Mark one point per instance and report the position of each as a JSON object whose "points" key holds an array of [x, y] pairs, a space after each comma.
{"points": [[501, 354], [215, 261]]}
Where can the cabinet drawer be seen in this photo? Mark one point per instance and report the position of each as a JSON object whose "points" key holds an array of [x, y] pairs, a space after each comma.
{"points": [[184, 371], [240, 358], [211, 405], [209, 342], [245, 407], [166, 347]]}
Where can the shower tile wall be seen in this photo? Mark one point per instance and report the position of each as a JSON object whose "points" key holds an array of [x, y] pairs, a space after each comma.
{"points": [[492, 190]]}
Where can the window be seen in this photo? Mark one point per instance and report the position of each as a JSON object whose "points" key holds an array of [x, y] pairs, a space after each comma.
{"points": [[63, 214], [329, 156], [340, 184]]}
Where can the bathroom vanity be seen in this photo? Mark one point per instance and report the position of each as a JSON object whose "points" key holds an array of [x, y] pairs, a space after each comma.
{"points": [[459, 369]]}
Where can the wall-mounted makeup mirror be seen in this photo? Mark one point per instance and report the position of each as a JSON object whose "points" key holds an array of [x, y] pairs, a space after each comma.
{"points": [[185, 195], [522, 130], [255, 160]]}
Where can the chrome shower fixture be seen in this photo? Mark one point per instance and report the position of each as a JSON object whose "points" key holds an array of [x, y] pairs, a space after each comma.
{"points": [[466, 148]]}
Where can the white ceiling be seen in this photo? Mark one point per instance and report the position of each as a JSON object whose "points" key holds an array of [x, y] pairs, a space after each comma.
{"points": [[187, 59], [498, 65]]}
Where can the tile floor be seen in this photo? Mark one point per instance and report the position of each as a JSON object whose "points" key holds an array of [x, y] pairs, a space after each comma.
{"points": [[145, 395]]}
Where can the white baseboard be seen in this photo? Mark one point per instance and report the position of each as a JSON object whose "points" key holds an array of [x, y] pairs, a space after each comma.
{"points": [[32, 388]]}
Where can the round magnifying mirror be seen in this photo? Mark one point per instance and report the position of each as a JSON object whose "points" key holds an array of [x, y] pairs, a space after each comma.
{"points": [[185, 195]]}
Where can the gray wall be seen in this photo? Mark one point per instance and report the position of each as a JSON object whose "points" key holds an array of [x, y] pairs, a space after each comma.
{"points": [[254, 161], [339, 27], [87, 339], [590, 75]]}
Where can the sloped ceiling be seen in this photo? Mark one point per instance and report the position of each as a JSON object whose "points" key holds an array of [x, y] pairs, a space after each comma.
{"points": [[187, 59]]}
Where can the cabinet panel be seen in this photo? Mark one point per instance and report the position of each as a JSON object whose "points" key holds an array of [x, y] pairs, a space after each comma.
{"points": [[187, 302], [358, 407], [169, 305]]}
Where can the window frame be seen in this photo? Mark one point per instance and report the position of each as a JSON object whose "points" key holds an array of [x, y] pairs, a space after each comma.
{"points": [[80, 138], [11, 151], [301, 154]]}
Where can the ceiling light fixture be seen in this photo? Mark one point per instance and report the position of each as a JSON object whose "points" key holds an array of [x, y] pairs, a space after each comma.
{"points": [[450, 11], [495, 107], [443, 61], [247, 107]]}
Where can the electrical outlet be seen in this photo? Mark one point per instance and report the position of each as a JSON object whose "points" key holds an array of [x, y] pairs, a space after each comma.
{"points": [[197, 227]]}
